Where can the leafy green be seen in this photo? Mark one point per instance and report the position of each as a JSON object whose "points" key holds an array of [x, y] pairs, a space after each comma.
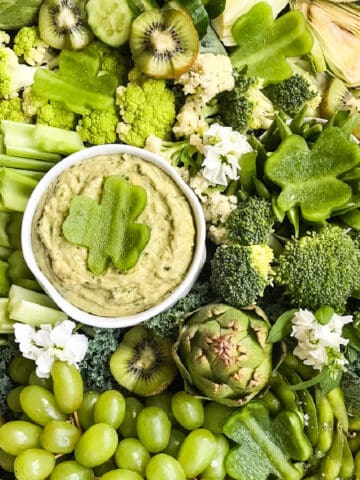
{"points": [[265, 43], [308, 177], [17, 13], [7, 352], [109, 230]]}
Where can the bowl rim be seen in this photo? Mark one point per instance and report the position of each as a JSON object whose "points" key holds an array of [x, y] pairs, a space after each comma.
{"points": [[75, 313]]}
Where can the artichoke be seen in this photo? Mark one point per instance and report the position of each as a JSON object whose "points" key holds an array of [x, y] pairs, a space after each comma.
{"points": [[334, 25], [222, 353]]}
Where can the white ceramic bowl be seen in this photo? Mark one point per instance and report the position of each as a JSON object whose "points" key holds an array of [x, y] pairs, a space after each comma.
{"points": [[76, 313]]}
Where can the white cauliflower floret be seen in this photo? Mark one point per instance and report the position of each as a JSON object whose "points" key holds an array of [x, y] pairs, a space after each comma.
{"points": [[209, 75], [4, 38], [201, 186], [218, 207], [154, 144], [189, 120], [184, 173]]}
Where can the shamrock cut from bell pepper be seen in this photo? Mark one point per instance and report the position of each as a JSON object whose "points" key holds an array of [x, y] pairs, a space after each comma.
{"points": [[265, 43], [265, 445], [309, 177], [109, 230]]}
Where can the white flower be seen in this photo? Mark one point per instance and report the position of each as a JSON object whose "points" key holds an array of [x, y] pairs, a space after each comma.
{"points": [[223, 148], [318, 344], [48, 344]]}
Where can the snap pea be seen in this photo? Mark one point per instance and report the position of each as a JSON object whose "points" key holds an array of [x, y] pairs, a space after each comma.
{"points": [[261, 189], [336, 399], [331, 465], [271, 402], [287, 397], [326, 422], [357, 466], [354, 442], [347, 467], [294, 218], [293, 362]]}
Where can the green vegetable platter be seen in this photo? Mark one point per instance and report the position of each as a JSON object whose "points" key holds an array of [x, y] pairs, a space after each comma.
{"points": [[255, 373]]}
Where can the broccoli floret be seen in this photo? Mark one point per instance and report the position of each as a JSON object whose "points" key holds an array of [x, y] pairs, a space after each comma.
{"points": [[48, 112], [8, 350], [98, 126], [31, 47], [112, 61], [13, 75], [147, 107], [251, 223], [166, 324], [320, 268], [94, 367], [245, 107], [240, 274], [11, 109], [291, 94]]}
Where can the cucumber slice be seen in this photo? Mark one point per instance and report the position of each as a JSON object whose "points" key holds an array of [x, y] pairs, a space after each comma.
{"points": [[110, 20]]}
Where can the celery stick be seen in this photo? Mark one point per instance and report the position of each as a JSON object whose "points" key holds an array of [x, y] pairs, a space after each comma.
{"points": [[35, 314], [6, 325], [19, 141], [13, 229], [17, 294], [4, 281], [25, 163], [57, 140], [15, 189], [18, 272], [28, 173], [4, 237]]}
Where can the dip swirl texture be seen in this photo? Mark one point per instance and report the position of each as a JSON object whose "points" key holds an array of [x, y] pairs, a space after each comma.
{"points": [[161, 266]]}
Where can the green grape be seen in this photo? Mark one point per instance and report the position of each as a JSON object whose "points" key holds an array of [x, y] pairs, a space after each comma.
{"points": [[34, 464], [162, 400], [6, 461], [132, 454], [153, 428], [105, 467], [175, 441], [132, 409], [71, 470], [40, 405], [13, 399], [188, 410], [59, 437], [122, 474], [43, 382], [196, 452], [20, 368], [110, 408], [164, 467], [68, 386], [215, 416], [216, 468], [17, 435], [86, 410], [96, 446]]}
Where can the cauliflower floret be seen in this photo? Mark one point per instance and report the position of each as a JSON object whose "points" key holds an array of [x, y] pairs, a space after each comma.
{"points": [[147, 107], [218, 207], [4, 38], [201, 186], [13, 75], [209, 75], [190, 119], [29, 45]]}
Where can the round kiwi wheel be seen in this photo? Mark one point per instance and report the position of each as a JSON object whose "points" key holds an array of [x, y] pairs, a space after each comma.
{"points": [[143, 363], [164, 43], [62, 24]]}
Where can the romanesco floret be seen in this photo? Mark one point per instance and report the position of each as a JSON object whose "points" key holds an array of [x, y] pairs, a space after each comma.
{"points": [[98, 126], [240, 274], [320, 268], [147, 107], [11, 109], [31, 47], [245, 107], [112, 61], [13, 75], [293, 93], [251, 223], [48, 112]]}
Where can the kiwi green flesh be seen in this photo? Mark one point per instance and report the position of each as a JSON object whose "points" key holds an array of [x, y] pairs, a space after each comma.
{"points": [[336, 98], [62, 25], [164, 44], [143, 364]]}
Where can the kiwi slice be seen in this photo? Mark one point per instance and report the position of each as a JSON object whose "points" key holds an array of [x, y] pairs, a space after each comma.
{"points": [[143, 363], [164, 43], [62, 24], [337, 97]]}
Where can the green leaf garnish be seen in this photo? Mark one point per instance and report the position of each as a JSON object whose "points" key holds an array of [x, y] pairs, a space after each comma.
{"points": [[109, 230]]}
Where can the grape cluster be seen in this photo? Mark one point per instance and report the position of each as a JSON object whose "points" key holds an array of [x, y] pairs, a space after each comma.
{"points": [[61, 432]]}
